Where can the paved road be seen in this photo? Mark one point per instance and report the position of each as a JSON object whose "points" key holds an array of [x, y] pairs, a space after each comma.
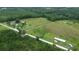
{"points": [[14, 29]]}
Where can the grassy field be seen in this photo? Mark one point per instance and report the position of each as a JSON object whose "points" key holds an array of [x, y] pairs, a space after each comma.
{"points": [[48, 30], [46, 23], [12, 41]]}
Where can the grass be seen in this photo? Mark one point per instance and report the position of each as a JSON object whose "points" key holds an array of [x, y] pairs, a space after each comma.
{"points": [[2, 28], [35, 26], [12, 41], [58, 28], [48, 30]]}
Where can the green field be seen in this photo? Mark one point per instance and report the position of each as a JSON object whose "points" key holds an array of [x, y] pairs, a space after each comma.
{"points": [[43, 28], [48, 30], [12, 41], [47, 23]]}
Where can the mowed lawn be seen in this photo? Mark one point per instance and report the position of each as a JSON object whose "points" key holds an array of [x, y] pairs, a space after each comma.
{"points": [[48, 30]]}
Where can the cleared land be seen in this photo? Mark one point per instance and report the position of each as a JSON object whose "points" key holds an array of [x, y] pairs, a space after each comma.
{"points": [[10, 40], [48, 30]]}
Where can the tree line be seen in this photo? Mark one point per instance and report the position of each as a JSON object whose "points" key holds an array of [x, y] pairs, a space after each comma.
{"points": [[51, 13]]}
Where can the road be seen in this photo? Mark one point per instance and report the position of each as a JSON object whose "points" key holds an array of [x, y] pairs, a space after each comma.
{"points": [[45, 41]]}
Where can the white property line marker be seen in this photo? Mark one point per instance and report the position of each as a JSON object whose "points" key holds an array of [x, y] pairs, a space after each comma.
{"points": [[14, 29]]}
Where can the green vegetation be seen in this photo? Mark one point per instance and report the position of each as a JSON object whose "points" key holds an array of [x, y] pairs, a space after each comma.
{"points": [[11, 41], [51, 13], [46, 23], [48, 30]]}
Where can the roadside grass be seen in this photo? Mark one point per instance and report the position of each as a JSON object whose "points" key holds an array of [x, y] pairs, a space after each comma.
{"points": [[2, 28]]}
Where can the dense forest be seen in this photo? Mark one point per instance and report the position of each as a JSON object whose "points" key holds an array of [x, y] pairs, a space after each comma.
{"points": [[51, 13]]}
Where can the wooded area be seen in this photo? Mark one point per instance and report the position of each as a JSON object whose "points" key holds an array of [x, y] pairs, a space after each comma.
{"points": [[52, 14]]}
